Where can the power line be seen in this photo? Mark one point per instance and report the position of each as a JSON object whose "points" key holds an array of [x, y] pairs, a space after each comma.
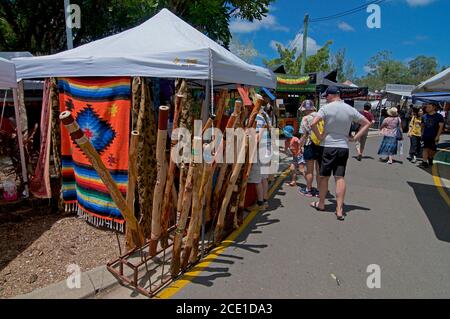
{"points": [[335, 16], [347, 12]]}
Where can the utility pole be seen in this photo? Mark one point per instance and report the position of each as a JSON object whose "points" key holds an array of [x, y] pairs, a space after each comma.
{"points": [[69, 34], [305, 43]]}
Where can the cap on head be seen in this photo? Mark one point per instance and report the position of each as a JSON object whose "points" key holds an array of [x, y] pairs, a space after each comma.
{"points": [[288, 131], [333, 90]]}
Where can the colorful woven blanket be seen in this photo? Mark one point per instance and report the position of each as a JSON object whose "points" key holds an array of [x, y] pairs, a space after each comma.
{"points": [[101, 106]]}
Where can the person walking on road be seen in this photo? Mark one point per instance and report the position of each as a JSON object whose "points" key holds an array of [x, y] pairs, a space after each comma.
{"points": [[432, 128], [311, 146], [391, 129], [361, 144], [414, 134], [292, 147], [338, 118]]}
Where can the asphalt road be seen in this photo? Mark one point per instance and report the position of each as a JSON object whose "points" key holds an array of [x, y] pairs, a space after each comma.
{"points": [[396, 219]]}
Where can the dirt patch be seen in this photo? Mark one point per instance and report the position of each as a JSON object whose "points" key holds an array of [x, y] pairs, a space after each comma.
{"points": [[36, 252]]}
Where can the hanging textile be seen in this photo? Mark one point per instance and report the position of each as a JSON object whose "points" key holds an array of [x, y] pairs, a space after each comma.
{"points": [[40, 182], [101, 106]]}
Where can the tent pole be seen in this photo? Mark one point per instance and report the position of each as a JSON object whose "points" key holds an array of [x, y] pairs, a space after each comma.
{"points": [[21, 146], [205, 109]]}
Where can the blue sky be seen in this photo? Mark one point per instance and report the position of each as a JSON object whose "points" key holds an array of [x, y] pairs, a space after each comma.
{"points": [[408, 28]]}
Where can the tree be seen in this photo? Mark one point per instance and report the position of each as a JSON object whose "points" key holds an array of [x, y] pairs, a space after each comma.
{"points": [[246, 51], [384, 69], [39, 26], [292, 61], [422, 68], [345, 68]]}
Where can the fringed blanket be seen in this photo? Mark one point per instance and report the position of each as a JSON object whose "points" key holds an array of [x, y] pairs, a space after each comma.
{"points": [[101, 106]]}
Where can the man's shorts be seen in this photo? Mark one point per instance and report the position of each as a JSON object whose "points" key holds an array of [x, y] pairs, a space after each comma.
{"points": [[334, 160], [312, 152], [429, 143], [256, 175]]}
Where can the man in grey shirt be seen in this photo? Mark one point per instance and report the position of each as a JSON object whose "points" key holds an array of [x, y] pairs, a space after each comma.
{"points": [[338, 117]]}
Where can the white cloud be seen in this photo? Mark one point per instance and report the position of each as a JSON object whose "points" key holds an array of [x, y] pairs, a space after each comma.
{"points": [[418, 3], [269, 22], [368, 69], [344, 26], [311, 45]]}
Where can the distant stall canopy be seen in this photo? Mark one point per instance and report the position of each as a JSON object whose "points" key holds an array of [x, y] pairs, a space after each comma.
{"points": [[397, 91], [164, 46], [295, 83], [437, 83]]}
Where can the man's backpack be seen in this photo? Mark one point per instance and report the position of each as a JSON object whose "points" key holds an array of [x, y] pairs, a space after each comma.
{"points": [[320, 127]]}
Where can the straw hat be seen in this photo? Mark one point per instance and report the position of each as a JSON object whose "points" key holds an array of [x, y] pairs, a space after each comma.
{"points": [[392, 111]]}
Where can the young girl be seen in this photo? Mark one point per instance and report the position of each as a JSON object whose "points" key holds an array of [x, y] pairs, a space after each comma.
{"points": [[292, 146], [415, 133]]}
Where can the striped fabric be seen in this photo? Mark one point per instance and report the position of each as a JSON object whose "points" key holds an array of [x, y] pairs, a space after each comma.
{"points": [[101, 106]]}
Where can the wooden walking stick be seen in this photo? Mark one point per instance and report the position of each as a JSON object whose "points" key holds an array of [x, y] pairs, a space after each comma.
{"points": [[205, 176], [232, 122], [179, 105], [161, 178], [195, 216], [229, 191], [220, 107], [235, 173], [78, 136], [248, 166], [181, 225]]}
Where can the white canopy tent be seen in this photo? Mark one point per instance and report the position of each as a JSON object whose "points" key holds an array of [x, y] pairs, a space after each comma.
{"points": [[164, 46], [438, 83], [8, 81]]}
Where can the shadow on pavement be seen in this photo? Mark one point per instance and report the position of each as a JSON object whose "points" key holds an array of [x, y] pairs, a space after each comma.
{"points": [[435, 208], [331, 208]]}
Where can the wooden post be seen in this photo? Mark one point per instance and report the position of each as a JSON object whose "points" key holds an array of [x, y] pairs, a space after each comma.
{"points": [[132, 175], [161, 178], [20, 139], [83, 142]]}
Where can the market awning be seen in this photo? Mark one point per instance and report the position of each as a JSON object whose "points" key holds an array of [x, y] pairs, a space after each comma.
{"points": [[7, 74], [165, 46], [432, 97]]}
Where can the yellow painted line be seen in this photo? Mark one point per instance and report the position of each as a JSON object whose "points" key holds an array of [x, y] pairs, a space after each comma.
{"points": [[187, 278], [438, 183]]}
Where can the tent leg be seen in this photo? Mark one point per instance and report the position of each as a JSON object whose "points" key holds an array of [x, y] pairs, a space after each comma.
{"points": [[205, 109], [21, 147]]}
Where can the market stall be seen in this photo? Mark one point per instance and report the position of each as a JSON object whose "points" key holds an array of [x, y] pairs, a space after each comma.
{"points": [[8, 82], [159, 76], [291, 91]]}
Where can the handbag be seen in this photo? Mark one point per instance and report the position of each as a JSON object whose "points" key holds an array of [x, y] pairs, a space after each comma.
{"points": [[399, 134]]}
